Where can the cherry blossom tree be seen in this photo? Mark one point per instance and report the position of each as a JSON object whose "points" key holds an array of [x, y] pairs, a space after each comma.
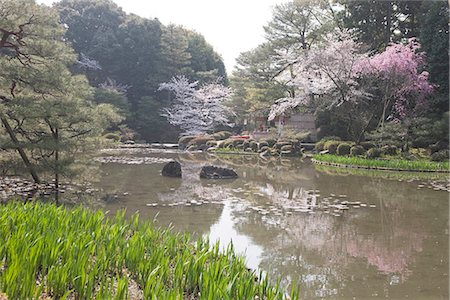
{"points": [[197, 110], [403, 86], [326, 70]]}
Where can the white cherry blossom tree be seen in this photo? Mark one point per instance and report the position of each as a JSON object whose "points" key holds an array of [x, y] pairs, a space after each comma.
{"points": [[197, 109], [325, 70]]}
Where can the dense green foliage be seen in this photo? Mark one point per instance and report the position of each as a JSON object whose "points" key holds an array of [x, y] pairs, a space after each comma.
{"points": [[138, 54], [48, 113], [52, 251], [395, 164]]}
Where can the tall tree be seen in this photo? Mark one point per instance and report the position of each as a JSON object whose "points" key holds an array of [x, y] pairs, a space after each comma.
{"points": [[32, 56], [434, 41], [300, 23], [93, 31], [138, 53], [44, 108], [206, 64], [379, 23]]}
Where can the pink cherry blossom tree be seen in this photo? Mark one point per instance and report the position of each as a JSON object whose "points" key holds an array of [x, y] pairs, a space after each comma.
{"points": [[403, 84], [197, 110]]}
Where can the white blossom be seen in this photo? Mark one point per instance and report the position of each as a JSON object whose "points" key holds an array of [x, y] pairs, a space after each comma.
{"points": [[324, 70], [85, 62], [197, 109]]}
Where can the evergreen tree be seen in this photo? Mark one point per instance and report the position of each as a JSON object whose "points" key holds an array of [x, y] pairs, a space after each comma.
{"points": [[46, 111]]}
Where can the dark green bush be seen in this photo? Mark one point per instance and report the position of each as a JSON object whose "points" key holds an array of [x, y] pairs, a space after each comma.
{"points": [[357, 150], [237, 142], [343, 149], [263, 144], [228, 143], [368, 145], [112, 136], [374, 153], [330, 138], [270, 142], [200, 140], [442, 155], [222, 135], [319, 146], [331, 146], [389, 150]]}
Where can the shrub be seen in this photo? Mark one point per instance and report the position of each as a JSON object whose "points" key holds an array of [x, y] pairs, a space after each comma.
{"points": [[270, 142], [263, 144], [200, 140], [227, 143], [237, 142], [389, 150], [222, 135], [442, 155], [112, 136], [368, 145], [441, 145], [374, 153], [184, 140], [330, 138], [211, 143], [357, 150], [319, 146], [343, 149], [331, 146]]}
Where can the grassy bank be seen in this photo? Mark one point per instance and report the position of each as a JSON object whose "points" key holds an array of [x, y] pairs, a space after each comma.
{"points": [[384, 164], [56, 252]]}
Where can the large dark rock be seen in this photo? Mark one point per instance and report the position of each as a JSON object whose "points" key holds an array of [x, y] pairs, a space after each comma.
{"points": [[172, 169], [212, 172]]}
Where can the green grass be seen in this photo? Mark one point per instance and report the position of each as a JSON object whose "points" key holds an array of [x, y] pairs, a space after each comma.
{"points": [[338, 171], [57, 252], [397, 164]]}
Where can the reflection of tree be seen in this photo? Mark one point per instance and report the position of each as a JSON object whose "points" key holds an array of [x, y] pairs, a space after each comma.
{"points": [[323, 251], [392, 256]]}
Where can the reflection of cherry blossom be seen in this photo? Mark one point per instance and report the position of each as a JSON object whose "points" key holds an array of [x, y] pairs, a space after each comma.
{"points": [[393, 257]]}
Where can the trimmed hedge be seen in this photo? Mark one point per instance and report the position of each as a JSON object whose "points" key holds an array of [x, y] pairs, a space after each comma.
{"points": [[343, 149], [357, 150], [374, 153], [331, 146]]}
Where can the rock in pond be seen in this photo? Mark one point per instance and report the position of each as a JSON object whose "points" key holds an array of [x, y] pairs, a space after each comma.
{"points": [[212, 172], [172, 169]]}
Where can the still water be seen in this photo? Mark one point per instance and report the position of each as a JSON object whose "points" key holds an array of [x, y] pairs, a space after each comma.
{"points": [[339, 235]]}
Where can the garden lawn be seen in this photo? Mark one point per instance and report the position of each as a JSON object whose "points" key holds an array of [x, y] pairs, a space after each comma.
{"points": [[395, 164], [50, 251]]}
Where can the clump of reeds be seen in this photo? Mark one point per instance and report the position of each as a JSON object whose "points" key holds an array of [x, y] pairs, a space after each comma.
{"points": [[77, 253]]}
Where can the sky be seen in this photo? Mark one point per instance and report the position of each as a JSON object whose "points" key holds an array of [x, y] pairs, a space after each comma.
{"points": [[230, 26]]}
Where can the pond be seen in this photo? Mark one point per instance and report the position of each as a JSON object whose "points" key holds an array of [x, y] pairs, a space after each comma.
{"points": [[338, 234]]}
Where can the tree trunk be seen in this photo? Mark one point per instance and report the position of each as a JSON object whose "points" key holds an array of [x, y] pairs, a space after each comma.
{"points": [[363, 131], [22, 153], [387, 38], [56, 166]]}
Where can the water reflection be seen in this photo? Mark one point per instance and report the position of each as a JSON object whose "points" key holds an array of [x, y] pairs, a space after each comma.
{"points": [[389, 241]]}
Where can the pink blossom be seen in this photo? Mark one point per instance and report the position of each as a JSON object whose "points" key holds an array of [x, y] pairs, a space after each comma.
{"points": [[399, 68]]}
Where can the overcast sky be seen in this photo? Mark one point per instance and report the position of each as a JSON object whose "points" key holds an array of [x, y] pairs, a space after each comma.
{"points": [[230, 26]]}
